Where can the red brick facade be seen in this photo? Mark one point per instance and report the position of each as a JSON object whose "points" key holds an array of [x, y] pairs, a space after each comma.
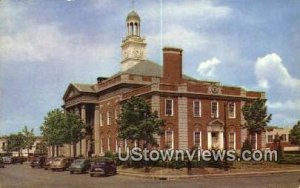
{"points": [[104, 99]]}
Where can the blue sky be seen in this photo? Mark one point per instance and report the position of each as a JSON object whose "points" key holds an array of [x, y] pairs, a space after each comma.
{"points": [[45, 45]]}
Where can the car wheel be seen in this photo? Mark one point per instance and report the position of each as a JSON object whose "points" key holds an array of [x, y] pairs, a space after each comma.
{"points": [[71, 172], [92, 175]]}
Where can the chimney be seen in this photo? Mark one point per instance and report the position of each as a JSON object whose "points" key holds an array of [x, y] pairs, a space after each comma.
{"points": [[172, 65]]}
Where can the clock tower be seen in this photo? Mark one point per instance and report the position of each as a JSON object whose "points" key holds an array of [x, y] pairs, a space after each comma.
{"points": [[133, 46]]}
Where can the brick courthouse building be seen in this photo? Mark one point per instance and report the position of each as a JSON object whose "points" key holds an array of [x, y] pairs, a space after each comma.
{"points": [[193, 110]]}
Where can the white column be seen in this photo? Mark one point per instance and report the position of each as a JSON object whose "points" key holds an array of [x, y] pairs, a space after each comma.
{"points": [[83, 141], [208, 140], [221, 140], [96, 130], [255, 140]]}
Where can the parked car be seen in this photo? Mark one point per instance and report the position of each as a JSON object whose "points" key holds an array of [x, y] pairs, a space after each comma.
{"points": [[48, 162], [7, 160], [2, 163], [80, 166], [38, 162], [60, 163], [102, 167]]}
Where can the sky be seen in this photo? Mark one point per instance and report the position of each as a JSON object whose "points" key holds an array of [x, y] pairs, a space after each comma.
{"points": [[45, 45]]}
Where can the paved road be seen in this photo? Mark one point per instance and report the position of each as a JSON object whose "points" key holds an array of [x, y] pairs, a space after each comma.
{"points": [[23, 176]]}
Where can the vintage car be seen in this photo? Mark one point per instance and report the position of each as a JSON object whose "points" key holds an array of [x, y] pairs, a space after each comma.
{"points": [[80, 166], [103, 167], [7, 160], [48, 162], [60, 163], [38, 162]]}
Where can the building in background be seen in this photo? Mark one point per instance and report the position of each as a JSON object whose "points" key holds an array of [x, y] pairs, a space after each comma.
{"points": [[284, 133], [196, 112], [24, 152]]}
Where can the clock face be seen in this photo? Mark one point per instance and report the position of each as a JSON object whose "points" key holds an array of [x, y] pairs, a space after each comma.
{"points": [[137, 53]]}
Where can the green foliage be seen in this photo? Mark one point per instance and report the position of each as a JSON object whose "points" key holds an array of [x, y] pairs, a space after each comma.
{"points": [[137, 122], [41, 148], [15, 142], [60, 128], [247, 146], [255, 114], [295, 134], [28, 137]]}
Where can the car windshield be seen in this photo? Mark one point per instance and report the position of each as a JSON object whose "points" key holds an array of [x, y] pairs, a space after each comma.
{"points": [[79, 161], [58, 159], [100, 163]]}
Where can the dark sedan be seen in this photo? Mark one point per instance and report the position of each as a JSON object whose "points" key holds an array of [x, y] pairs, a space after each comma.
{"points": [[103, 168], [80, 166], [38, 162]]}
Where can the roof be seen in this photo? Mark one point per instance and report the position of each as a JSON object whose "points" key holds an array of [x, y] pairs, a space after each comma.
{"points": [[147, 68], [133, 15], [84, 87]]}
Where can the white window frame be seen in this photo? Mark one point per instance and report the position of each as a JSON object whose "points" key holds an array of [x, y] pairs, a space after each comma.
{"points": [[234, 110], [199, 102], [211, 110], [116, 113], [101, 119], [172, 109], [271, 139], [172, 141], [101, 145], [117, 145], [108, 117], [200, 138], [234, 140], [108, 143]]}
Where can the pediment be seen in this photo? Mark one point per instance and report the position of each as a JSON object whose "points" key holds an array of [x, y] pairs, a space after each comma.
{"points": [[70, 92], [216, 126]]}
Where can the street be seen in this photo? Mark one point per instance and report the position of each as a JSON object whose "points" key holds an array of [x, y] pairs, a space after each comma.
{"points": [[24, 176]]}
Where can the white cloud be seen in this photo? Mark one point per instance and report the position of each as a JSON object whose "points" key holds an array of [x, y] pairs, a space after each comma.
{"points": [[270, 70], [286, 105], [207, 68], [185, 10], [45, 43]]}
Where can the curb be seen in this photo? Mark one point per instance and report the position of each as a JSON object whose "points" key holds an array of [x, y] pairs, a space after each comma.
{"points": [[175, 177]]}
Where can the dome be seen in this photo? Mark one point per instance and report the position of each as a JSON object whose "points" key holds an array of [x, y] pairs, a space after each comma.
{"points": [[133, 15]]}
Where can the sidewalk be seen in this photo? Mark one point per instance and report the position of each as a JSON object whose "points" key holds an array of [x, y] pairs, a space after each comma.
{"points": [[172, 174]]}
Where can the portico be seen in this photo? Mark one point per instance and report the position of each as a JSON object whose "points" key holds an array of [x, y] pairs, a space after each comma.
{"points": [[215, 134]]}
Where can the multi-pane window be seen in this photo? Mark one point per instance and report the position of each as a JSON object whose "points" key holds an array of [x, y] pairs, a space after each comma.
{"points": [[231, 110], [197, 139], [169, 139], [283, 138], [270, 138], [101, 120], [214, 109], [231, 140], [169, 107], [116, 113], [108, 118], [108, 143], [197, 108], [101, 145]]}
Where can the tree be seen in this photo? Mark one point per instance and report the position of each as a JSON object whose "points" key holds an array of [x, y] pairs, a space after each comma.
{"points": [[137, 122], [15, 142], [62, 128], [29, 139], [255, 114], [295, 134], [41, 147]]}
